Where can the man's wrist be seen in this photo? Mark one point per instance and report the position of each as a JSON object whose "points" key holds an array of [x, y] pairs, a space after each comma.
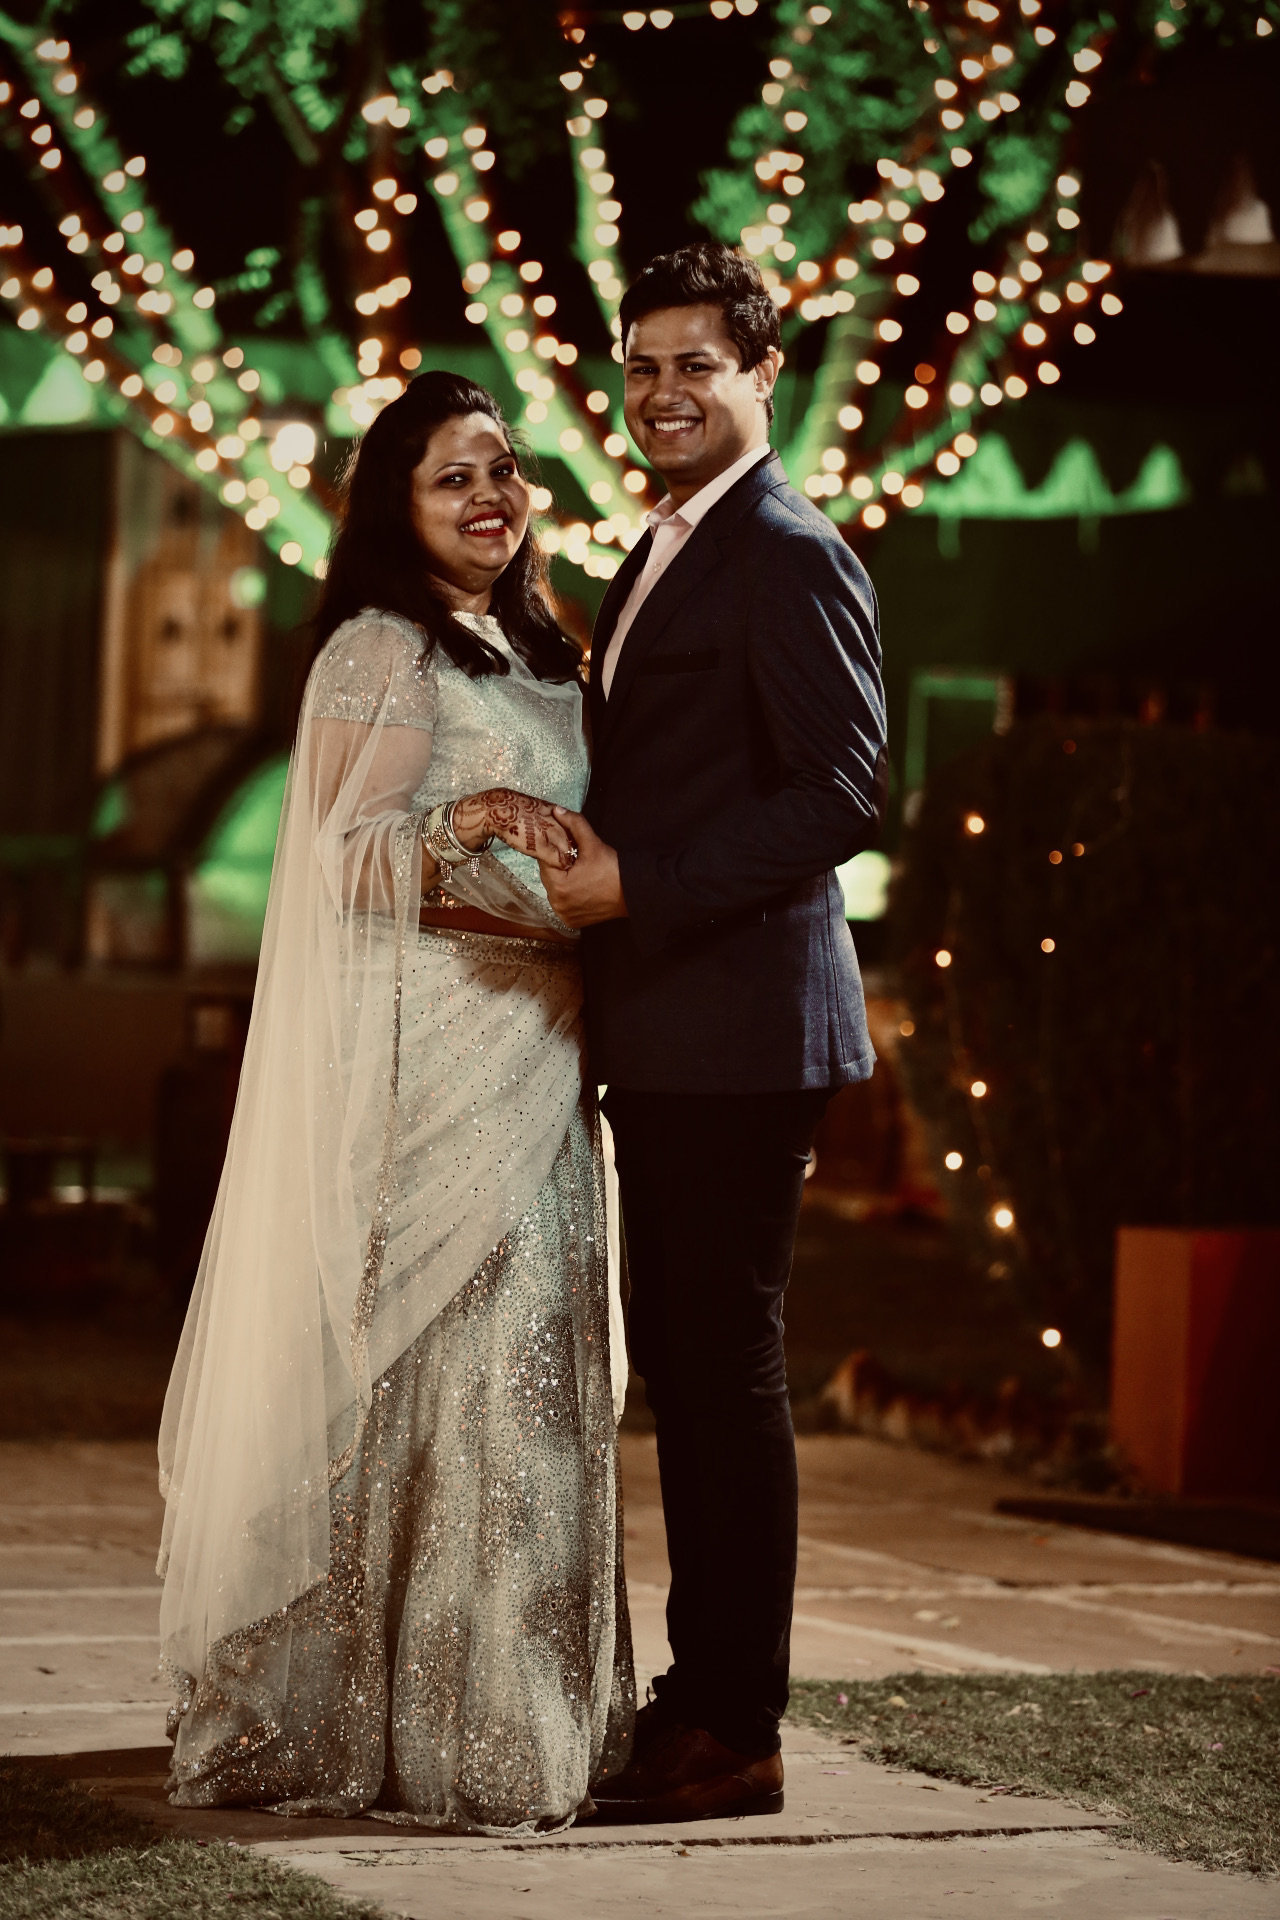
{"points": [[619, 897]]}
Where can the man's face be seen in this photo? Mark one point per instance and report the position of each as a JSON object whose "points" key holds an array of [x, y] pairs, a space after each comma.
{"points": [[690, 407]]}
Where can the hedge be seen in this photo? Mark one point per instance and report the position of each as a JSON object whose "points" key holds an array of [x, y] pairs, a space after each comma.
{"points": [[1131, 1065]]}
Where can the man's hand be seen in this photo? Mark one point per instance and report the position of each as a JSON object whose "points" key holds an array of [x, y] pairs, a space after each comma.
{"points": [[591, 890]]}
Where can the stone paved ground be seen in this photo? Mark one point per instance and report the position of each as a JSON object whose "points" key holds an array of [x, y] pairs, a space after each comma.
{"points": [[903, 1565], [1052, 1876]]}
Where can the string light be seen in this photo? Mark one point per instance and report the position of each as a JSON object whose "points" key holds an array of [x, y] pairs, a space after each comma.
{"points": [[930, 187], [1000, 1214], [574, 429], [829, 289], [947, 89], [1036, 242], [184, 306]]}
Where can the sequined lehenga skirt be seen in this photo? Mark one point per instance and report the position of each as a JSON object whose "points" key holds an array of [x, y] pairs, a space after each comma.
{"points": [[467, 1664]]}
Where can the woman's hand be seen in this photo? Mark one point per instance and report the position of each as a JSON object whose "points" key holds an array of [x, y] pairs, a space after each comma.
{"points": [[528, 825]]}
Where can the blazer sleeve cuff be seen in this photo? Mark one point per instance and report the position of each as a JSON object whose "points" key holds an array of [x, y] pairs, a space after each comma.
{"points": [[648, 899]]}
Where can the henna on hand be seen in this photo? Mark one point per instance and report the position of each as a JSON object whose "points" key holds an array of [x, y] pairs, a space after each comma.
{"points": [[525, 823], [514, 816]]}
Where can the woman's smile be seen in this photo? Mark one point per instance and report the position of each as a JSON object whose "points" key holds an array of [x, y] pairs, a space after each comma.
{"points": [[485, 526]]}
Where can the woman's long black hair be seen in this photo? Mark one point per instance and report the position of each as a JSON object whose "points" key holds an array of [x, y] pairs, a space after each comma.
{"points": [[377, 559]]}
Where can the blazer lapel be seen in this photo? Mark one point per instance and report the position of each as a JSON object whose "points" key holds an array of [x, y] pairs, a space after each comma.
{"points": [[611, 606], [700, 553]]}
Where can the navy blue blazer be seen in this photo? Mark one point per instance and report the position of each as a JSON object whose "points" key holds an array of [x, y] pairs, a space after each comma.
{"points": [[739, 759]]}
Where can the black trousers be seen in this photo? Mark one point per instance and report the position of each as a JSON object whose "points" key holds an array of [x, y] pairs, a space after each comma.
{"points": [[711, 1187]]}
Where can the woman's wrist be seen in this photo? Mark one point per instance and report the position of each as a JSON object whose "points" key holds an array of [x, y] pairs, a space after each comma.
{"points": [[469, 820], [442, 844]]}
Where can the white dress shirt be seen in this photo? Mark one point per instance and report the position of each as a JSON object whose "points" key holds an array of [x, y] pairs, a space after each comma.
{"points": [[671, 527]]}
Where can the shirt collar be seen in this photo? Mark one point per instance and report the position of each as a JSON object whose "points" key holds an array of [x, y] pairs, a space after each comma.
{"points": [[700, 504]]}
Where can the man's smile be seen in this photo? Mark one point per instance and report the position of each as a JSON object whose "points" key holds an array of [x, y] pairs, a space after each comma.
{"points": [[670, 425]]}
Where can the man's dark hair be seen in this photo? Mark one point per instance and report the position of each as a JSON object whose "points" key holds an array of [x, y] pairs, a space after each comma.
{"points": [[709, 274]]}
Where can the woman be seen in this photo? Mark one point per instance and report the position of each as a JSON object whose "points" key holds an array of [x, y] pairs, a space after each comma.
{"points": [[392, 1551]]}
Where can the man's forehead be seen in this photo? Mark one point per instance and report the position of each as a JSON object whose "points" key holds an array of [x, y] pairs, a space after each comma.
{"points": [[680, 330]]}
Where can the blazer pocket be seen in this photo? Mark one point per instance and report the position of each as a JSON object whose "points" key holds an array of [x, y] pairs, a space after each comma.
{"points": [[681, 662]]}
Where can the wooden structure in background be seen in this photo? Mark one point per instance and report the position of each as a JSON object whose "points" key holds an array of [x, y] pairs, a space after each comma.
{"points": [[133, 619], [1194, 1406], [181, 615]]}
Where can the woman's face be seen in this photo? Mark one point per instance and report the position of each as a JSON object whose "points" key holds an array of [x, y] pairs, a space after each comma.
{"points": [[470, 503]]}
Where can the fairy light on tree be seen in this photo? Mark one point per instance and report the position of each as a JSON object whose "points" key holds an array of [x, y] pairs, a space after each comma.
{"points": [[976, 93], [905, 101], [138, 255]]}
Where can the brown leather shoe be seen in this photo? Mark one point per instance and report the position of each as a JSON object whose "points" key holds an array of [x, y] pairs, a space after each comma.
{"points": [[653, 1721], [687, 1774]]}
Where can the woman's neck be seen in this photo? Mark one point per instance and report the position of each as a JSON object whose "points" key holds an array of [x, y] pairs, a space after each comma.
{"points": [[462, 599]]}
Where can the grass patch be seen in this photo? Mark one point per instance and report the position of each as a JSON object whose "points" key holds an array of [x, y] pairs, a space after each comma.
{"points": [[72, 1855], [1191, 1765], [174, 1880], [47, 1819]]}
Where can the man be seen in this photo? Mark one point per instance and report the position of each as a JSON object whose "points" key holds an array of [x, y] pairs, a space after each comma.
{"points": [[738, 723]]}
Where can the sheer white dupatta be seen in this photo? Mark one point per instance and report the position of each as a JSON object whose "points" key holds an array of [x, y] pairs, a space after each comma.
{"points": [[342, 1226]]}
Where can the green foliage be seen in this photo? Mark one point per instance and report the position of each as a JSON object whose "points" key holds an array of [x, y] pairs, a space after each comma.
{"points": [[1131, 1071], [257, 43], [863, 80], [166, 55], [508, 60], [1016, 174], [1226, 22], [1190, 1763], [273, 310]]}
